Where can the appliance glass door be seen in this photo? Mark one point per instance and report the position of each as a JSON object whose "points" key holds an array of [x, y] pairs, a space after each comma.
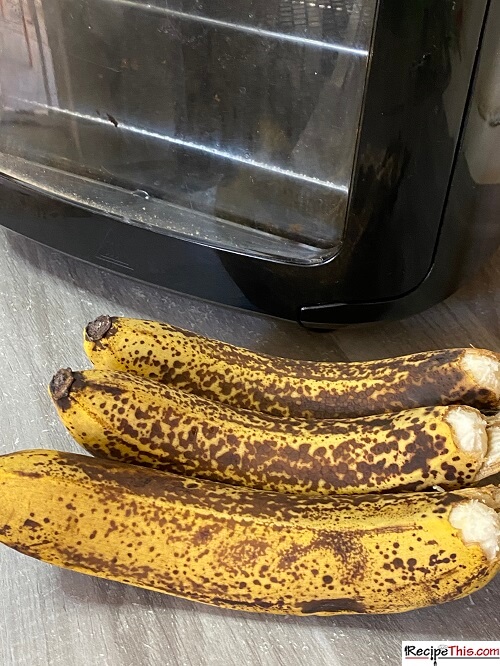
{"points": [[231, 124]]}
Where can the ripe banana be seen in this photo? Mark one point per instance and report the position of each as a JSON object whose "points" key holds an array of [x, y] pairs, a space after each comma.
{"points": [[127, 418], [246, 549], [287, 387]]}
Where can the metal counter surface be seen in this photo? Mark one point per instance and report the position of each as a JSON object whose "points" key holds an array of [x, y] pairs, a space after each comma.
{"points": [[50, 616]]}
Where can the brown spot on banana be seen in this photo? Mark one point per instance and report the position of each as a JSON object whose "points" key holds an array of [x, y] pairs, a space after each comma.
{"points": [[289, 387], [131, 419], [260, 551]]}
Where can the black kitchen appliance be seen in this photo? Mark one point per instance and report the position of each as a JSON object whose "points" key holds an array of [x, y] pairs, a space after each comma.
{"points": [[328, 161]]}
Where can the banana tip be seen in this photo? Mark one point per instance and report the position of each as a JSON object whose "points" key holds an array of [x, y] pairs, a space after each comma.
{"points": [[98, 328], [61, 383]]}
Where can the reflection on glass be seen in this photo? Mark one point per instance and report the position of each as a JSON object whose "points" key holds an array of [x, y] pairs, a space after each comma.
{"points": [[237, 120]]}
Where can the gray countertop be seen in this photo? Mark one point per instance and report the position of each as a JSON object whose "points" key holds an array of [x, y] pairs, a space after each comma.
{"points": [[58, 617]]}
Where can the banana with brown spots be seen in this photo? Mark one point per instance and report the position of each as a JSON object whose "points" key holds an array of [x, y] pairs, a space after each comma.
{"points": [[246, 549], [131, 419], [288, 387]]}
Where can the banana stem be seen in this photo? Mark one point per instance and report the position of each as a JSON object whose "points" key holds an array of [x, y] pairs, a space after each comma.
{"points": [[98, 328], [61, 383], [479, 523], [491, 464]]}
